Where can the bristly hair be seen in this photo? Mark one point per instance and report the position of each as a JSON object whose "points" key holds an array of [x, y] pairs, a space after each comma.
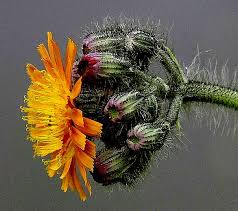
{"points": [[210, 72], [121, 35], [126, 24], [175, 143]]}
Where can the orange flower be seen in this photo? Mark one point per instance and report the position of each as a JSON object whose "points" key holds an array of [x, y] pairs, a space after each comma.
{"points": [[57, 128]]}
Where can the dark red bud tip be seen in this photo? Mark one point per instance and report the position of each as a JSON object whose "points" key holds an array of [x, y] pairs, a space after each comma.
{"points": [[100, 173], [92, 63]]}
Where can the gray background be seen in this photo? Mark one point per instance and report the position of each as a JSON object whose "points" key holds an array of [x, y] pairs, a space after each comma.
{"points": [[203, 178]]}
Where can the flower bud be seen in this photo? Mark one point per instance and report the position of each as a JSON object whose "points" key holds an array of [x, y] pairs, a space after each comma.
{"points": [[110, 165], [122, 105], [120, 165], [141, 42], [144, 136], [104, 65], [102, 42]]}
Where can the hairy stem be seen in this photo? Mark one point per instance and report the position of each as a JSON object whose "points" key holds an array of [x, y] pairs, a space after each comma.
{"points": [[169, 61], [171, 119], [161, 87], [203, 92], [172, 114]]}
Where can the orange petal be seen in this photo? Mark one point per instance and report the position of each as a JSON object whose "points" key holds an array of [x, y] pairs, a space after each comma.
{"points": [[46, 60], [54, 165], [33, 72], [91, 127], [51, 172], [78, 138], [65, 184], [83, 173], [49, 68], [77, 116], [82, 170], [43, 52], [85, 159], [58, 59], [66, 168], [90, 149], [69, 60], [88, 186], [71, 182], [76, 89], [78, 186], [50, 48]]}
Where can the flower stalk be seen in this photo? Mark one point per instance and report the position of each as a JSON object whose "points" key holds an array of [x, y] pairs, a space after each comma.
{"points": [[203, 92], [171, 64]]}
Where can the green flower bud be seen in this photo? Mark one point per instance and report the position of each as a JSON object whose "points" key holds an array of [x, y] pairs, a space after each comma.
{"points": [[141, 41], [145, 136], [111, 164], [122, 105], [102, 42], [104, 65]]}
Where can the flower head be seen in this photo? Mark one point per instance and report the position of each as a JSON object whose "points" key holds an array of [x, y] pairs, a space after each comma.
{"points": [[57, 128]]}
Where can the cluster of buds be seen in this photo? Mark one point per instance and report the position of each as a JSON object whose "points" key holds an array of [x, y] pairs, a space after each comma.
{"points": [[118, 57], [131, 44], [119, 39], [139, 110], [116, 50]]}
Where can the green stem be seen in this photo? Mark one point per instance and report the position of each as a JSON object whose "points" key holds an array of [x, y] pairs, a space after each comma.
{"points": [[161, 87], [170, 62], [172, 114], [171, 118], [203, 92]]}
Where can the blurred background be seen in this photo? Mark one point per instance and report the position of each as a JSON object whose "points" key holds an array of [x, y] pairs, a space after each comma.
{"points": [[205, 177]]}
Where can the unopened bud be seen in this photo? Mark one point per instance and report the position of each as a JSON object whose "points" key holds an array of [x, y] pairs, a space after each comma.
{"points": [[110, 165], [141, 41], [144, 136], [122, 105], [104, 65], [102, 42]]}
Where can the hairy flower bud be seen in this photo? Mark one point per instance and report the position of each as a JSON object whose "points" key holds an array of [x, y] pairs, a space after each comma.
{"points": [[120, 165], [102, 42], [104, 64], [122, 105], [141, 41], [110, 165], [144, 136]]}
